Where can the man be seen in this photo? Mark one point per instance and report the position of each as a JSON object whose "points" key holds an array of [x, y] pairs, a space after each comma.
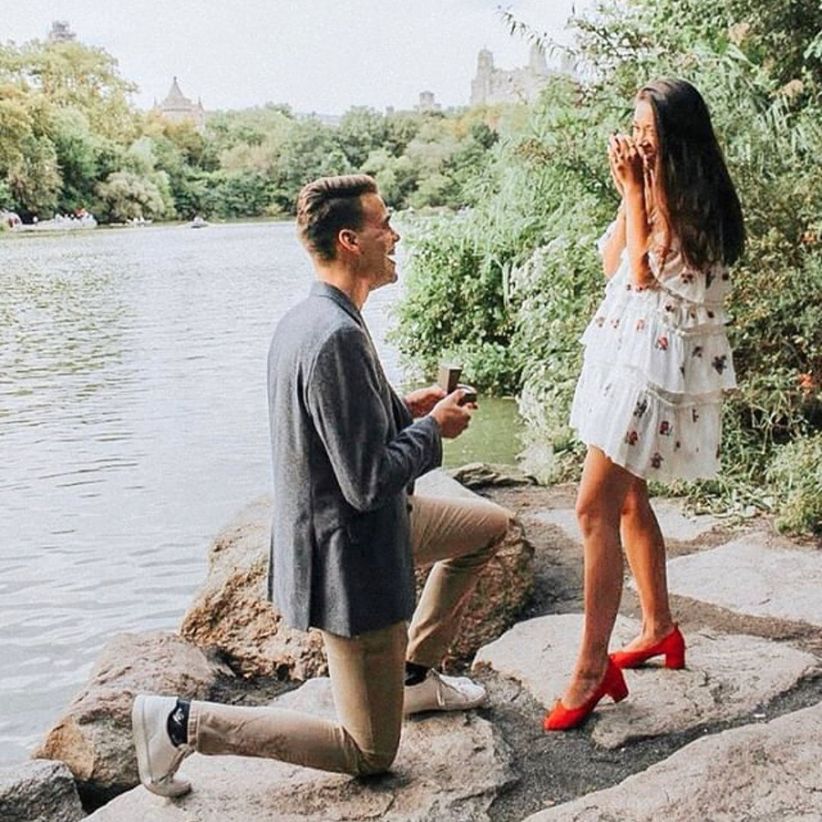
{"points": [[347, 526]]}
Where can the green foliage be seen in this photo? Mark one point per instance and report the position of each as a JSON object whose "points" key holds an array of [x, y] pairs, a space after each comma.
{"points": [[127, 196], [795, 477], [543, 194], [66, 127]]}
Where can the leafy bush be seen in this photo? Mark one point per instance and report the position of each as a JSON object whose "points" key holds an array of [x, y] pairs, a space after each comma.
{"points": [[795, 477], [546, 195]]}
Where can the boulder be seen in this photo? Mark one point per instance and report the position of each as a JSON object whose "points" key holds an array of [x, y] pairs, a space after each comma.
{"points": [[449, 766], [726, 677], [231, 612], [484, 474], [39, 791], [767, 581], [761, 771], [93, 736]]}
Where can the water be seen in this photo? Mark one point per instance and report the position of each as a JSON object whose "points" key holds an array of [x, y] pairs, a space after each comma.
{"points": [[133, 427]]}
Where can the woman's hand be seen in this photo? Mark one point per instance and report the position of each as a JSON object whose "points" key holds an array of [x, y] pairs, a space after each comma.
{"points": [[627, 166]]}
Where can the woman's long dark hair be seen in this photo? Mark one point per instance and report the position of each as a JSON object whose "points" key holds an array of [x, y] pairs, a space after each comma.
{"points": [[700, 201]]}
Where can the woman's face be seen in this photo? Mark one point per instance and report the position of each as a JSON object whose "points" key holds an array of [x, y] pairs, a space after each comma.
{"points": [[643, 130]]}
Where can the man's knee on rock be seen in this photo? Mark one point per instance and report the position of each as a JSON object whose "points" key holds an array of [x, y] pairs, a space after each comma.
{"points": [[373, 763]]}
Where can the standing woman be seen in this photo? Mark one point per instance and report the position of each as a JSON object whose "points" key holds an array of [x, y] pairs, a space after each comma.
{"points": [[657, 361]]}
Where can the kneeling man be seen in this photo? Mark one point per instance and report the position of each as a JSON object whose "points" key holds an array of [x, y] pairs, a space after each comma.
{"points": [[348, 527]]}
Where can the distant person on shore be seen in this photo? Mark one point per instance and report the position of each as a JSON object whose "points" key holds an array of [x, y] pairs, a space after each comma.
{"points": [[348, 527], [649, 400]]}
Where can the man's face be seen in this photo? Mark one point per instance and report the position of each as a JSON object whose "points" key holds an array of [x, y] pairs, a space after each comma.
{"points": [[377, 241]]}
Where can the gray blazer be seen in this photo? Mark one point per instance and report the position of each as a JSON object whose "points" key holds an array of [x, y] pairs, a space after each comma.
{"points": [[345, 454]]}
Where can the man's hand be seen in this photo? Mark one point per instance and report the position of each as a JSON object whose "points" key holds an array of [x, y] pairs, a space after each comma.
{"points": [[421, 401], [452, 417]]}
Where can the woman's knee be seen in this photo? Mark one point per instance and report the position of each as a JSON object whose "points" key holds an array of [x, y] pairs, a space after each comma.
{"points": [[595, 512], [636, 505]]}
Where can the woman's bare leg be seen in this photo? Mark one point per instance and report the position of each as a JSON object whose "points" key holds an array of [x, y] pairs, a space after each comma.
{"points": [[645, 549], [599, 506]]}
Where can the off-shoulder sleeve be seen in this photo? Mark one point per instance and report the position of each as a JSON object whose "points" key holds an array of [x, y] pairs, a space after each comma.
{"points": [[675, 275]]}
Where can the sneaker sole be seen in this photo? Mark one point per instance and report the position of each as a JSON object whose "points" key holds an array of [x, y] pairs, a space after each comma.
{"points": [[172, 788]]}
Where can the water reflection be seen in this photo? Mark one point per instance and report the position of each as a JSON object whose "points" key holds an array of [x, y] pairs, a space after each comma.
{"points": [[133, 426]]}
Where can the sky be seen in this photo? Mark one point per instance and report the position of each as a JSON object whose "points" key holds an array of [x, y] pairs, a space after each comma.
{"points": [[319, 56]]}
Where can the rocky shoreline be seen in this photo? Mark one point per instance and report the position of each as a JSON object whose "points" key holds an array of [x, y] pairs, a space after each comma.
{"points": [[736, 735]]}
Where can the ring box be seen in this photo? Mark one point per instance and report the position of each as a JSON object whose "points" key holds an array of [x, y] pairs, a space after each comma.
{"points": [[449, 376]]}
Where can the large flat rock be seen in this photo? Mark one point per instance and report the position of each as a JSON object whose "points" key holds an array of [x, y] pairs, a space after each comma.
{"points": [[751, 577], [757, 772], [450, 766], [675, 524], [727, 676]]}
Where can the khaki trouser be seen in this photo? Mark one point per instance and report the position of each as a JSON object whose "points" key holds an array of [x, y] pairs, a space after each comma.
{"points": [[367, 671]]}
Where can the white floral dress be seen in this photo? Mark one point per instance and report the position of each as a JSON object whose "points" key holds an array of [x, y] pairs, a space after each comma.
{"points": [[657, 362]]}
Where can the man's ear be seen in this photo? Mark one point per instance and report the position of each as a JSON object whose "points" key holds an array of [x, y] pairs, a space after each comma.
{"points": [[347, 239]]}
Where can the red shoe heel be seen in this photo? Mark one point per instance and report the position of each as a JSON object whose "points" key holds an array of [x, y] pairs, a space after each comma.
{"points": [[675, 660], [561, 718], [672, 646]]}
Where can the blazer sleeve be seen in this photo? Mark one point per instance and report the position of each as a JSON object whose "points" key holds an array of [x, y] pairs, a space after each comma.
{"points": [[346, 402]]}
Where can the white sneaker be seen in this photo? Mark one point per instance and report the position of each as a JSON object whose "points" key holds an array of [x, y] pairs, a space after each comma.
{"points": [[157, 757], [438, 692]]}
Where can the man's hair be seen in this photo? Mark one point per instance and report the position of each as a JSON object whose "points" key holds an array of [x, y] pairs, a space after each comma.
{"points": [[327, 206]]}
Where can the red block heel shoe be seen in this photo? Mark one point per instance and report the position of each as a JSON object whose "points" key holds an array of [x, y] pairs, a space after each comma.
{"points": [[561, 718], [673, 646]]}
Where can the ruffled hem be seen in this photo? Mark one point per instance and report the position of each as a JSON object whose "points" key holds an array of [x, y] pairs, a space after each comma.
{"points": [[636, 339], [640, 429]]}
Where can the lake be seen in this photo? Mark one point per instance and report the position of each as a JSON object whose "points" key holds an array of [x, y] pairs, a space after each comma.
{"points": [[133, 427]]}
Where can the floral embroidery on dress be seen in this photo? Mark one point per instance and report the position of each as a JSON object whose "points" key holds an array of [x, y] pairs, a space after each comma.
{"points": [[640, 324], [662, 343], [697, 352], [640, 408], [694, 414], [656, 460], [631, 437], [687, 277], [615, 322], [720, 363], [600, 321], [709, 278], [665, 428]]}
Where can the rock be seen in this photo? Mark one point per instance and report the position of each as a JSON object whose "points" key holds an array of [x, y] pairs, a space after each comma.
{"points": [[725, 677], [767, 772], [39, 791], [483, 474], [93, 737], [765, 581], [675, 524], [232, 614], [450, 766]]}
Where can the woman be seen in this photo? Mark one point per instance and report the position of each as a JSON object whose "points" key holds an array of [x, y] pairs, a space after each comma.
{"points": [[648, 401]]}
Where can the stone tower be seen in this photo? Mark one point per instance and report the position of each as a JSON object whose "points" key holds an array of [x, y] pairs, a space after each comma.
{"points": [[178, 108]]}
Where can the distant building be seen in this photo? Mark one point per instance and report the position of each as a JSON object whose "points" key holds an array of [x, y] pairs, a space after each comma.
{"points": [[177, 108], [427, 102], [61, 33], [519, 85]]}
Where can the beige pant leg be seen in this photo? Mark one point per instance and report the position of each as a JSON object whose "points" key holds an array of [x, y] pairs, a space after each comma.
{"points": [[460, 536], [367, 682]]}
